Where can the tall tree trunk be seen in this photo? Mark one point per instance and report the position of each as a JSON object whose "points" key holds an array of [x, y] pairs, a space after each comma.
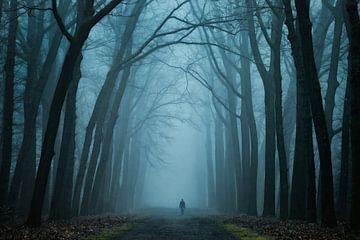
{"points": [[332, 81], [321, 28], [96, 122], [290, 116], [310, 173], [107, 207], [303, 143], [60, 205], [89, 180], [101, 102], [245, 79], [8, 108], [134, 162], [328, 217], [219, 164], [267, 78], [277, 24], [47, 151], [230, 195], [1, 9], [354, 65], [123, 193], [246, 156], [30, 118], [281, 146], [303, 153], [69, 173], [210, 168], [236, 157], [34, 38], [269, 194], [121, 137], [76, 44], [342, 206], [104, 158], [234, 133], [247, 105]]}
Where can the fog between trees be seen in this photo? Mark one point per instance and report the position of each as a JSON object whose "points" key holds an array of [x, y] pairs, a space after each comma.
{"points": [[245, 107]]}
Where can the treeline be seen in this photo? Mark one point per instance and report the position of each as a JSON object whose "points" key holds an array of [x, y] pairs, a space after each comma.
{"points": [[305, 164], [269, 153], [44, 172]]}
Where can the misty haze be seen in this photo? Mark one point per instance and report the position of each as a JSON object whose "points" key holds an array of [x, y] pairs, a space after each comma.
{"points": [[179, 119]]}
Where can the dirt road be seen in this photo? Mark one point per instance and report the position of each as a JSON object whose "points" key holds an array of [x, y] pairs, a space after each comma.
{"points": [[194, 228]]}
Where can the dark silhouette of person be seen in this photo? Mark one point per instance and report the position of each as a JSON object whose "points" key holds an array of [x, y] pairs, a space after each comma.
{"points": [[182, 206]]}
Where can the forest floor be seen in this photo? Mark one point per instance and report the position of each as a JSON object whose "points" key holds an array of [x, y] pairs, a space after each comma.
{"points": [[169, 224]]}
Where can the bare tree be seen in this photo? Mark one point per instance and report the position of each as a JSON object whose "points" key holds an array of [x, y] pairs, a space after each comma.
{"points": [[87, 19], [7, 130], [354, 64], [302, 50]]}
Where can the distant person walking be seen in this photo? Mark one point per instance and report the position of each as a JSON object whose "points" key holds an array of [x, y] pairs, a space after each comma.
{"points": [[182, 206]]}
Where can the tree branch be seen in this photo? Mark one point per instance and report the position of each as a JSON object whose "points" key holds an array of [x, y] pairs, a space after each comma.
{"points": [[60, 22], [103, 12], [329, 6]]}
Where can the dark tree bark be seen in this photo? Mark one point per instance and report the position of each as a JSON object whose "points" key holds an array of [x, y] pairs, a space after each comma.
{"points": [[244, 123], [290, 115], [269, 194], [332, 81], [47, 152], [70, 151], [219, 164], [281, 148], [304, 53], [76, 43], [252, 208], [8, 108], [247, 106], [270, 123], [246, 155], [1, 9], [104, 158], [234, 134], [107, 207], [35, 36], [321, 28], [60, 205], [342, 206], [303, 142], [121, 142], [328, 217], [311, 209], [30, 121], [210, 168], [97, 121], [354, 65], [230, 179], [98, 114], [276, 36], [303, 153], [89, 180]]}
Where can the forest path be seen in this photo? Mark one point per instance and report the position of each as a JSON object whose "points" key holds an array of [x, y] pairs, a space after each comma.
{"points": [[194, 225], [176, 228]]}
